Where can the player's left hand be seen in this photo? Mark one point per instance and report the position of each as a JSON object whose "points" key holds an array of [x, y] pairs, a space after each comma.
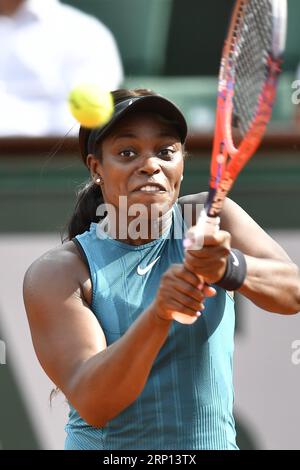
{"points": [[210, 261]]}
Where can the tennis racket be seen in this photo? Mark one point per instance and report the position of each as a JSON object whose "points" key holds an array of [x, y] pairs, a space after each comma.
{"points": [[248, 77]]}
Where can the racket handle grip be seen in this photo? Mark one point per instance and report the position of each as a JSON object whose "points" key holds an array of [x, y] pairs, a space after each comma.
{"points": [[194, 241], [205, 226]]}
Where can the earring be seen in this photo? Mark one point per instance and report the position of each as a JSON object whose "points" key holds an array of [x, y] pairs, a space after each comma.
{"points": [[181, 177], [99, 180]]}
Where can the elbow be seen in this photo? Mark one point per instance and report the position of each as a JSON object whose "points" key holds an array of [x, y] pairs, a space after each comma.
{"points": [[91, 414], [92, 417], [81, 398], [96, 409], [293, 306], [292, 309], [296, 306], [94, 401], [98, 415]]}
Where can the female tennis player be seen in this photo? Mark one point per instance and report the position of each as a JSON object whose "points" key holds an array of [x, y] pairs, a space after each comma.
{"points": [[101, 306]]}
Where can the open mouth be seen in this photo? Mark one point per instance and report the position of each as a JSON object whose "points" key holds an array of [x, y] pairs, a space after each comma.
{"points": [[151, 188]]}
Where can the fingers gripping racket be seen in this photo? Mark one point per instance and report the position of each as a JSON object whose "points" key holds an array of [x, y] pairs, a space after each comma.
{"points": [[249, 70]]}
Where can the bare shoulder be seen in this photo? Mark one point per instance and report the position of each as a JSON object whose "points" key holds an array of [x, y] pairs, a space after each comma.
{"points": [[59, 262], [61, 268]]}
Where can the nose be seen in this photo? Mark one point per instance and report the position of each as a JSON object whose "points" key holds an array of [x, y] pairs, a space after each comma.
{"points": [[149, 166]]}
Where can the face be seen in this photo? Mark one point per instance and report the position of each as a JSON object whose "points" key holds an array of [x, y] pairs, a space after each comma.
{"points": [[143, 160]]}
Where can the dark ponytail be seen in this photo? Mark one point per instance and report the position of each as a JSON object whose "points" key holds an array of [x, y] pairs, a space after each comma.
{"points": [[89, 196]]}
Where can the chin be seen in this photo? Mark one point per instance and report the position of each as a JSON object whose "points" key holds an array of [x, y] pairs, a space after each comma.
{"points": [[159, 208]]}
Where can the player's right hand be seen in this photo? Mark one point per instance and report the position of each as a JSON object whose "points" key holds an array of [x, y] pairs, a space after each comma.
{"points": [[181, 291]]}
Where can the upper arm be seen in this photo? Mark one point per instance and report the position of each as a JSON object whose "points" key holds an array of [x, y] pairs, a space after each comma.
{"points": [[64, 330], [243, 229], [247, 235]]}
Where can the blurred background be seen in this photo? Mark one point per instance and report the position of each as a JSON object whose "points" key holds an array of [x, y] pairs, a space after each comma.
{"points": [[172, 46]]}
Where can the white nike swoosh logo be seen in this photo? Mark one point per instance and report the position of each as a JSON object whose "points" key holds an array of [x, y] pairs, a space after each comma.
{"points": [[141, 271], [235, 260]]}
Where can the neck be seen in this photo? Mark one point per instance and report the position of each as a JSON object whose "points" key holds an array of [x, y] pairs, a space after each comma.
{"points": [[9, 7], [136, 230]]}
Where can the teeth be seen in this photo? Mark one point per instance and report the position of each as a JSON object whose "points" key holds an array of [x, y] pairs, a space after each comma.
{"points": [[150, 188]]}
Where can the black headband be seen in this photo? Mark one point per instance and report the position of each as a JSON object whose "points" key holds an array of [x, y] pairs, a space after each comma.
{"points": [[149, 103]]}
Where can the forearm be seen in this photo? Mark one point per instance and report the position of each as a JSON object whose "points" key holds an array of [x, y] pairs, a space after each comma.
{"points": [[272, 285], [110, 381]]}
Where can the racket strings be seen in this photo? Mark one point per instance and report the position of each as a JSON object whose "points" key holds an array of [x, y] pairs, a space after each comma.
{"points": [[248, 59]]}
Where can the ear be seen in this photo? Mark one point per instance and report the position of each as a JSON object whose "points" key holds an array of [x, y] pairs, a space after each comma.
{"points": [[93, 165]]}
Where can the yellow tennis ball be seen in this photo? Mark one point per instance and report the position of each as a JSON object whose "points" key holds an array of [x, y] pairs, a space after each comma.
{"points": [[91, 105]]}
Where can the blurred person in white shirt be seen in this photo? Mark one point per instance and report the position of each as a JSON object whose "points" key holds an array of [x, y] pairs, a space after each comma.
{"points": [[46, 49]]}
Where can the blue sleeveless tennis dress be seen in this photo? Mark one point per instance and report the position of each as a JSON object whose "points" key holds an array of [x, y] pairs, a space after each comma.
{"points": [[188, 399]]}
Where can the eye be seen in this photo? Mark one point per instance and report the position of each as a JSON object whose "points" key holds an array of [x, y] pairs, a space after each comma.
{"points": [[127, 153], [166, 152]]}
